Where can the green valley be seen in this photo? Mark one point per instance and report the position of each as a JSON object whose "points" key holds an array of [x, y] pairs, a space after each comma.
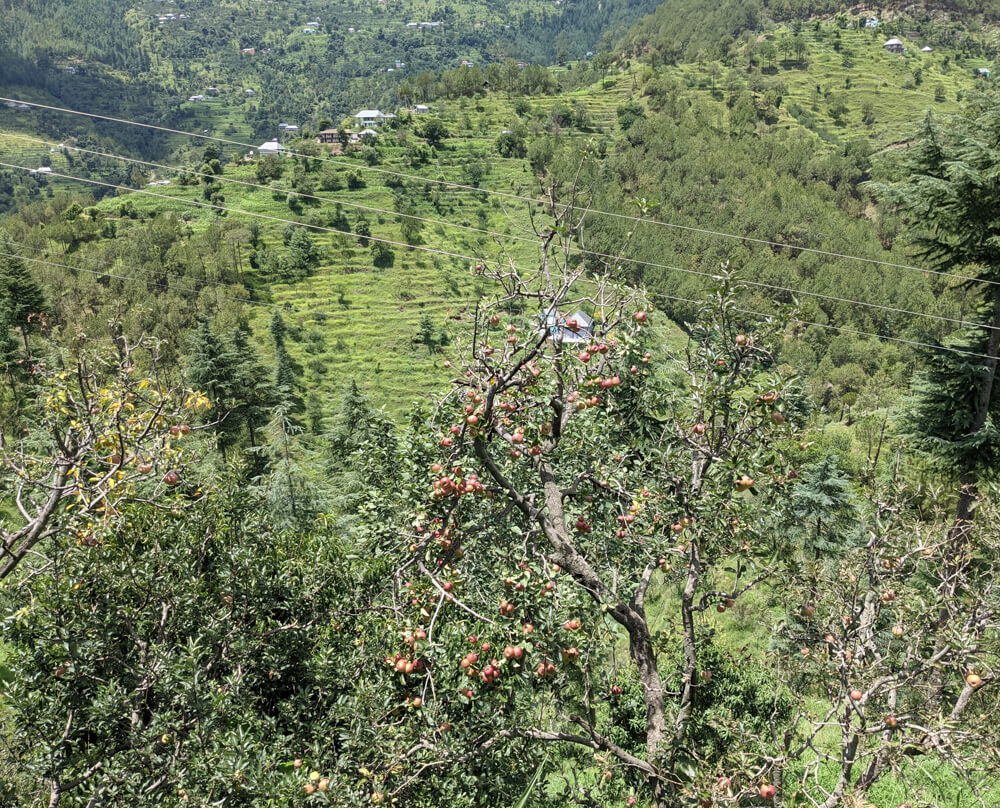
{"points": [[533, 403]]}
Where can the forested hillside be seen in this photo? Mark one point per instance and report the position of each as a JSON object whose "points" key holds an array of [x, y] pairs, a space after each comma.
{"points": [[302, 62], [613, 424]]}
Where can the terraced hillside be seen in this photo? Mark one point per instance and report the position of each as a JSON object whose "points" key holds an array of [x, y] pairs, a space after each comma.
{"points": [[380, 325]]}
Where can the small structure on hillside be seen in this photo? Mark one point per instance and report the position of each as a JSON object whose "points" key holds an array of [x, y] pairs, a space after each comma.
{"points": [[420, 109], [871, 22], [578, 327], [894, 46], [981, 73], [271, 147], [371, 118], [927, 49], [198, 97], [249, 93]]}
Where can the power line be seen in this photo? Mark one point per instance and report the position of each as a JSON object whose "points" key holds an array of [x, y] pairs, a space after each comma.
{"points": [[160, 284], [235, 181], [95, 262], [831, 327], [210, 206], [497, 235], [457, 255], [519, 197]]}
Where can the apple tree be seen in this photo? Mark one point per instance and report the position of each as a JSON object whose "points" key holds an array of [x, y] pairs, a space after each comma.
{"points": [[577, 471], [102, 434]]}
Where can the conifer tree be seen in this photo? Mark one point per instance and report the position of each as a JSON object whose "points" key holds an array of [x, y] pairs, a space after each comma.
{"points": [[822, 515], [257, 393], [349, 426], [11, 360], [287, 372], [290, 494], [949, 204], [211, 367], [20, 296]]}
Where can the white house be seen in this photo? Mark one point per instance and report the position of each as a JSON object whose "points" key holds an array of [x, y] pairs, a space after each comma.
{"points": [[271, 147], [894, 46], [982, 72], [421, 109], [368, 118], [927, 49], [578, 327], [196, 98]]}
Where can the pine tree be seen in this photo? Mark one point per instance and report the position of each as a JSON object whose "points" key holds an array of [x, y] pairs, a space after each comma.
{"points": [[822, 516], [302, 251], [287, 372], [11, 359], [211, 366], [20, 296], [257, 393], [949, 201], [349, 426], [291, 495]]}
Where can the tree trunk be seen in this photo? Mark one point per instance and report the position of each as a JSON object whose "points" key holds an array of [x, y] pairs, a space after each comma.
{"points": [[689, 679], [642, 653]]}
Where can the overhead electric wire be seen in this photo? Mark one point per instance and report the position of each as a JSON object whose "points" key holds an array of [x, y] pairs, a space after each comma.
{"points": [[95, 262], [831, 327], [517, 197], [458, 255], [498, 236], [222, 178], [161, 284], [266, 216]]}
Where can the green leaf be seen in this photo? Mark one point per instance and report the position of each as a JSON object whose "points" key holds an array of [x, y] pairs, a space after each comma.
{"points": [[522, 801]]}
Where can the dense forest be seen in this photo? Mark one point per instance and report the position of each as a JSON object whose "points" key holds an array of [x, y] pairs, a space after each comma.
{"points": [[616, 428]]}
